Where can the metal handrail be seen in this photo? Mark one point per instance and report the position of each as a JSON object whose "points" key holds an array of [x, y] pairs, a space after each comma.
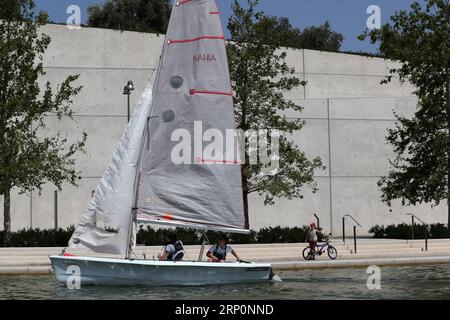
{"points": [[413, 215], [412, 228], [348, 215], [354, 230]]}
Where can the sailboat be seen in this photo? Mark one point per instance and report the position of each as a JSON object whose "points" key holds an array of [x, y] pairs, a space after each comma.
{"points": [[142, 183]]}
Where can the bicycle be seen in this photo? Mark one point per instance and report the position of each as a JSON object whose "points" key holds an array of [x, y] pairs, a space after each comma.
{"points": [[309, 254]]}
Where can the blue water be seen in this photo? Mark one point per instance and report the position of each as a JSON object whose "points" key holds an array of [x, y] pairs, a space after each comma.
{"points": [[416, 282]]}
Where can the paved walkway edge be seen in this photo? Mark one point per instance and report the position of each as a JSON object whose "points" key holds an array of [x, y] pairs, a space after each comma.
{"points": [[41, 270], [300, 265]]}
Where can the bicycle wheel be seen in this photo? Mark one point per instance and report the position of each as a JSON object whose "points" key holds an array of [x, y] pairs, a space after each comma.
{"points": [[306, 253], [332, 252]]}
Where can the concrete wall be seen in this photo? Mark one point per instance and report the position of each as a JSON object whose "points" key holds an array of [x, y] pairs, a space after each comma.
{"points": [[347, 113]]}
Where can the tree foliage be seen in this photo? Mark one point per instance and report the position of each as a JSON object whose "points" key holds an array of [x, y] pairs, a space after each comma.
{"points": [[314, 38], [154, 15], [260, 78], [420, 40], [12, 9], [131, 15], [320, 38], [28, 157]]}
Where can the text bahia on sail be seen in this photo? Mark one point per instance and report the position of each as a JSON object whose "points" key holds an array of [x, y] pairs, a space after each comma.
{"points": [[143, 183]]}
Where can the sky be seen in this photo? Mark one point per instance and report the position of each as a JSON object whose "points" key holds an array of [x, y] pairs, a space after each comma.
{"points": [[348, 17]]}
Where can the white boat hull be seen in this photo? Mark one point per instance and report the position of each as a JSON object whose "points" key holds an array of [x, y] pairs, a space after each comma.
{"points": [[105, 271]]}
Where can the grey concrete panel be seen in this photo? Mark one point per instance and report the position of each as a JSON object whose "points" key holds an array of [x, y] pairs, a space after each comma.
{"points": [[313, 140], [360, 197], [72, 202], [290, 213], [312, 109], [358, 148], [101, 48], [350, 86], [372, 108], [102, 91], [345, 64], [103, 137], [20, 208], [294, 58]]}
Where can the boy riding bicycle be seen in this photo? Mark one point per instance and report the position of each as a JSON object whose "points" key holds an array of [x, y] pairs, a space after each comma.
{"points": [[312, 237]]}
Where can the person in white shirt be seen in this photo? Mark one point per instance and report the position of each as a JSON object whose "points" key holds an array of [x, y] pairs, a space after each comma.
{"points": [[174, 251], [219, 251]]}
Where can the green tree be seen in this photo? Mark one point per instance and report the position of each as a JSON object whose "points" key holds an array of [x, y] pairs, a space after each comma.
{"points": [[420, 40], [131, 15], [284, 34], [12, 9], [260, 77], [321, 38], [314, 38], [29, 158]]}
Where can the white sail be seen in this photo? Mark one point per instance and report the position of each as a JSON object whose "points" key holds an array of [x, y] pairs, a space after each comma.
{"points": [[106, 224], [193, 89]]}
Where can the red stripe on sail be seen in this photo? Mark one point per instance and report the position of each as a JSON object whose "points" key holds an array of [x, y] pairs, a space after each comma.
{"points": [[179, 3], [221, 93], [214, 12], [197, 39]]}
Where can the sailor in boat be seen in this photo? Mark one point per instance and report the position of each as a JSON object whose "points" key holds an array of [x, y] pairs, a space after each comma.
{"points": [[174, 251], [218, 252]]}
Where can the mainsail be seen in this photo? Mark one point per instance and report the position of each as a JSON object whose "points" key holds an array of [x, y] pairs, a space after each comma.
{"points": [[192, 92]]}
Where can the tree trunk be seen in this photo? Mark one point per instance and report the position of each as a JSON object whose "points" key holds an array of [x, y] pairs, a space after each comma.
{"points": [[7, 216], [245, 197], [448, 157]]}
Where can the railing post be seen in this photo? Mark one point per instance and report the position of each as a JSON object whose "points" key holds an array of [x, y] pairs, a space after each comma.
{"points": [[426, 238], [354, 238], [56, 210], [128, 109], [412, 227], [343, 229]]}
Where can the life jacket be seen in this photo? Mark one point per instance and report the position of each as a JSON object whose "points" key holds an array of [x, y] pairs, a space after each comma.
{"points": [[179, 252], [222, 255]]}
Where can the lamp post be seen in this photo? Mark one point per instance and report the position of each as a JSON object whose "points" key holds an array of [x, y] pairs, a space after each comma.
{"points": [[412, 224], [127, 91]]}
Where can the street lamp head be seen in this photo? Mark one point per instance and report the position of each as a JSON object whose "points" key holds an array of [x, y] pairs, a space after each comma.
{"points": [[130, 85], [128, 88]]}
